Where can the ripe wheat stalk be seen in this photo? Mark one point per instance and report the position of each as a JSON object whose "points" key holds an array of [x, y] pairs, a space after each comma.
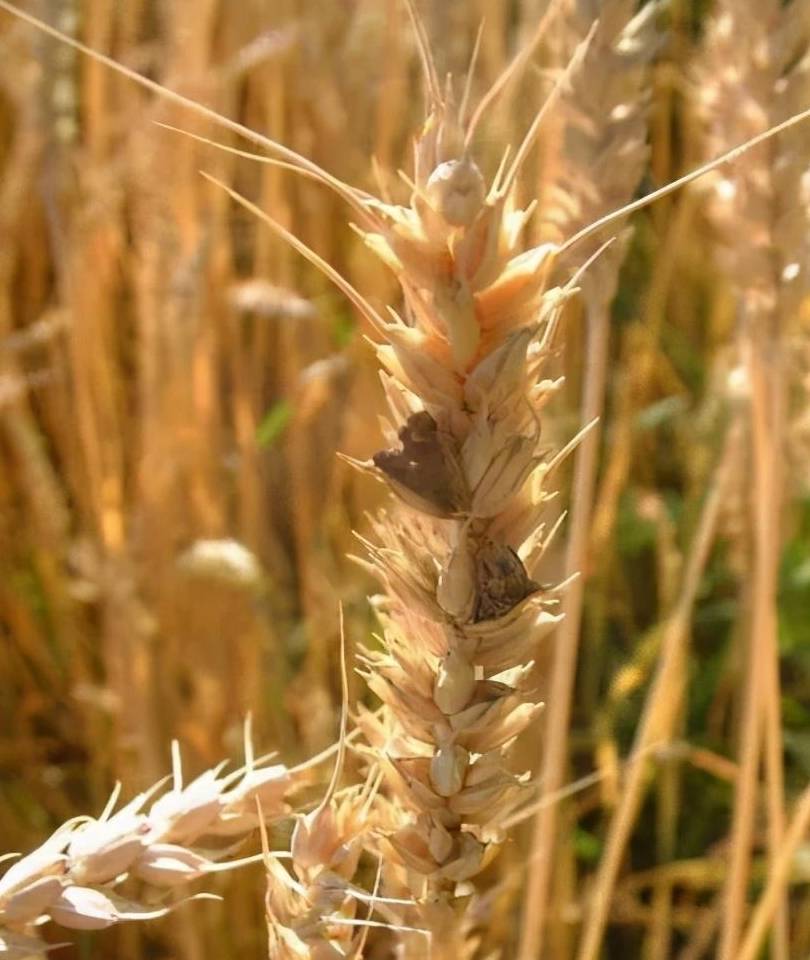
{"points": [[465, 369]]}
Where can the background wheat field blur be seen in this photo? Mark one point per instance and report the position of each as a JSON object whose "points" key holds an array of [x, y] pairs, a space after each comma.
{"points": [[175, 384]]}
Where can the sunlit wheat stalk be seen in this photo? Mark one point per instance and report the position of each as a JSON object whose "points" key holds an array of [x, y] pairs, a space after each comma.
{"points": [[597, 164]]}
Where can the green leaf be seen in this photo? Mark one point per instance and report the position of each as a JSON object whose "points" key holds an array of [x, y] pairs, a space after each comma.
{"points": [[587, 845], [273, 424]]}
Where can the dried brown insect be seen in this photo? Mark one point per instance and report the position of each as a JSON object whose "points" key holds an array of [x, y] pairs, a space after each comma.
{"points": [[501, 580], [426, 472]]}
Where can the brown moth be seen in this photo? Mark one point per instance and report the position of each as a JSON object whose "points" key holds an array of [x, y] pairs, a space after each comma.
{"points": [[502, 581], [426, 473]]}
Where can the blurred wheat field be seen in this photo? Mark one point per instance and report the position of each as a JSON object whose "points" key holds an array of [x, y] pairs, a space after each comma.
{"points": [[175, 384]]}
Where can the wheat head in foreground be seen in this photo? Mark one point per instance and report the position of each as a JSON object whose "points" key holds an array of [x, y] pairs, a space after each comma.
{"points": [[461, 613]]}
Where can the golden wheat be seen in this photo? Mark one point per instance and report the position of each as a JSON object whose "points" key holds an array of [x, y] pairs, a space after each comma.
{"points": [[404, 859]]}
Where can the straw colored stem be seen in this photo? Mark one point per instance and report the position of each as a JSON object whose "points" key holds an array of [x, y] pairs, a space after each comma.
{"points": [[762, 683], [778, 876], [767, 377], [567, 646], [662, 705]]}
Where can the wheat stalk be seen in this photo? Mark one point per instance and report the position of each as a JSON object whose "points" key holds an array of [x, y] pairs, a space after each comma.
{"points": [[598, 164]]}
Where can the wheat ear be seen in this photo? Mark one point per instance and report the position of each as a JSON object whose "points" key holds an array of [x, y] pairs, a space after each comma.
{"points": [[461, 612], [74, 878]]}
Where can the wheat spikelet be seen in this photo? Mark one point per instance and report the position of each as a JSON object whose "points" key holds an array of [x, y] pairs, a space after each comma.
{"points": [[73, 878]]}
